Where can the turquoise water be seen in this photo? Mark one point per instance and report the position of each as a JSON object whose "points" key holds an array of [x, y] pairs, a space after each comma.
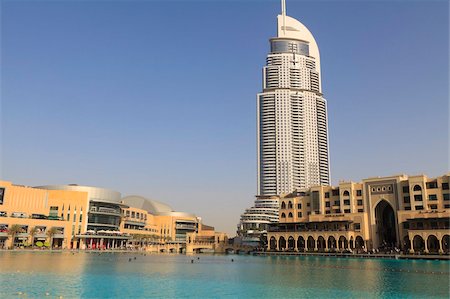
{"points": [[89, 275]]}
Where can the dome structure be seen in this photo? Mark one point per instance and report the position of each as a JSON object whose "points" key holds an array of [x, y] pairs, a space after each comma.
{"points": [[152, 206]]}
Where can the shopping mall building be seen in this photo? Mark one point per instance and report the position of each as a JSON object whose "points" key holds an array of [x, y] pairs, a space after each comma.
{"points": [[408, 213], [82, 217]]}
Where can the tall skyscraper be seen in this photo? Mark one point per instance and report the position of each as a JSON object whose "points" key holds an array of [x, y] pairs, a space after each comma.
{"points": [[292, 126], [292, 113]]}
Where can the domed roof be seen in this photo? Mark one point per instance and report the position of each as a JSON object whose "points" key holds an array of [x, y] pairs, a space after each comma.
{"points": [[152, 206]]}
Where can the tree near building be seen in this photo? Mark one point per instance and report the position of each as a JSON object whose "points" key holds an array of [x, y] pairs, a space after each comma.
{"points": [[13, 231], [51, 233]]}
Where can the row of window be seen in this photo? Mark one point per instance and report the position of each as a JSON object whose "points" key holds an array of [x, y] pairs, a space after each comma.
{"points": [[431, 197], [429, 185]]}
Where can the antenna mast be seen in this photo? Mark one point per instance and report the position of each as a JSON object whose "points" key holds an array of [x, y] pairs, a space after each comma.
{"points": [[283, 14]]}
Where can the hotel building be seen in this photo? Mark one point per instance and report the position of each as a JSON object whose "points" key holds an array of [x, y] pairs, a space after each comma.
{"points": [[292, 130], [292, 113], [411, 213], [82, 217]]}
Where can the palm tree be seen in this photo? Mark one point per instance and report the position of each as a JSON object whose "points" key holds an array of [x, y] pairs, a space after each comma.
{"points": [[33, 232], [13, 230], [51, 233]]}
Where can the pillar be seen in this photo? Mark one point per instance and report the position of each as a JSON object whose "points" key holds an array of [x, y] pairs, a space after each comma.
{"points": [[411, 247], [426, 244], [441, 251]]}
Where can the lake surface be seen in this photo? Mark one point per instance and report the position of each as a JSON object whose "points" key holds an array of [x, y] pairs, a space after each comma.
{"points": [[113, 275]]}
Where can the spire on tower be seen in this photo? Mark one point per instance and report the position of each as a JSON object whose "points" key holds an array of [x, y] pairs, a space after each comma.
{"points": [[283, 13]]}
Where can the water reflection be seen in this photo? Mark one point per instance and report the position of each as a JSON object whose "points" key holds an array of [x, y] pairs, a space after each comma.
{"points": [[91, 275]]}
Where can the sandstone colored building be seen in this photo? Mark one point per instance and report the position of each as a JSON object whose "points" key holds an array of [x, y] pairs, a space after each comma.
{"points": [[410, 213], [83, 217]]}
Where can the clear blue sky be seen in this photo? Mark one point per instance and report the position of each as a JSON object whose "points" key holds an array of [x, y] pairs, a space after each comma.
{"points": [[158, 98]]}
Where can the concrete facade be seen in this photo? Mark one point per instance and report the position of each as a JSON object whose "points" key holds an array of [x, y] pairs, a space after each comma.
{"points": [[408, 213]]}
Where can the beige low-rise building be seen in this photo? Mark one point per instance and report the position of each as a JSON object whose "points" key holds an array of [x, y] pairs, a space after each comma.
{"points": [[82, 217], [408, 213]]}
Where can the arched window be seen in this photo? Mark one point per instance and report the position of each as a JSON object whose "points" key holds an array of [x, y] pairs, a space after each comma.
{"points": [[283, 205], [290, 215], [346, 193], [417, 188], [283, 215], [290, 205]]}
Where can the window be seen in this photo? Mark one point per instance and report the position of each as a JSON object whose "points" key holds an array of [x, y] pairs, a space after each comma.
{"points": [[446, 196], [446, 206], [283, 205], [53, 211], [290, 215], [418, 197], [406, 225], [432, 197], [347, 202], [2, 195], [406, 199], [360, 210], [128, 213], [133, 214], [419, 224], [431, 185], [407, 208], [434, 225], [299, 214], [358, 192], [359, 202], [419, 207], [283, 215], [405, 189], [445, 186], [346, 193], [308, 204], [327, 194], [335, 192], [299, 206], [327, 212], [433, 207], [337, 202], [417, 188], [347, 211], [357, 227], [290, 205]]}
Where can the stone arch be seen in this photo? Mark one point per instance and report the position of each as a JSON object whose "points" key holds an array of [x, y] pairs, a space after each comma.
{"points": [[359, 242], [352, 243], [343, 243], [332, 246], [282, 243], [290, 205], [283, 215], [346, 193], [446, 243], [433, 244], [291, 243], [385, 225], [321, 243], [300, 244], [290, 215], [311, 243], [273, 243], [418, 244], [417, 188], [283, 205]]}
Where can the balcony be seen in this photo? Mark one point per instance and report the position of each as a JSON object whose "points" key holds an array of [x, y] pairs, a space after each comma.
{"points": [[185, 226], [104, 211]]}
